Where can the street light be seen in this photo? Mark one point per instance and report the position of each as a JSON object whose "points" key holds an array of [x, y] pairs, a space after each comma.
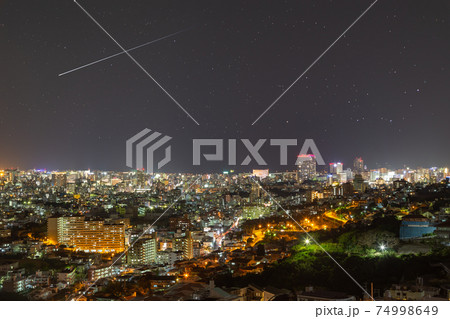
{"points": [[307, 241], [382, 247]]}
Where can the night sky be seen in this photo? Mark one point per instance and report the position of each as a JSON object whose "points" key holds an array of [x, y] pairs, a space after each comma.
{"points": [[381, 92]]}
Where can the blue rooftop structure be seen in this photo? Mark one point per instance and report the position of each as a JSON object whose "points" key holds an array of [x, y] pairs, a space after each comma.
{"points": [[415, 226]]}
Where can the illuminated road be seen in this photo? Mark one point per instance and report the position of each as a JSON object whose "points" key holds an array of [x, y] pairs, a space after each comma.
{"points": [[219, 238], [332, 215]]}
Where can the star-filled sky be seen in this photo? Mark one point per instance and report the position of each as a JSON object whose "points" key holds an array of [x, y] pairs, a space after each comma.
{"points": [[380, 92]]}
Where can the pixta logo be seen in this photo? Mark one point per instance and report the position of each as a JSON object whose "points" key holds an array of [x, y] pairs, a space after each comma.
{"points": [[149, 141], [146, 140], [308, 147]]}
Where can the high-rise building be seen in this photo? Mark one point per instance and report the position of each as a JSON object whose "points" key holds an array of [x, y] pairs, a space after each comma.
{"points": [[336, 168], [188, 246], [87, 235], [255, 194], [342, 177], [143, 251], [359, 184], [330, 179], [59, 179], [9, 175], [358, 165], [306, 167]]}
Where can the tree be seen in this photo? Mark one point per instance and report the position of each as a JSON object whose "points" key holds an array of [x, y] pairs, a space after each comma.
{"points": [[374, 238]]}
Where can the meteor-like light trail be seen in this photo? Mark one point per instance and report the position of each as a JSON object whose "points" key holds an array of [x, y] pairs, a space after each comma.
{"points": [[114, 55], [136, 62], [315, 61]]}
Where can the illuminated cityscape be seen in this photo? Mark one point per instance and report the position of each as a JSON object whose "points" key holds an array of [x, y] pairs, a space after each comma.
{"points": [[222, 151], [94, 235]]}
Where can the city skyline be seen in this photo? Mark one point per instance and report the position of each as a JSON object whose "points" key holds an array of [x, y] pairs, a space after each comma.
{"points": [[131, 236], [237, 170]]}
